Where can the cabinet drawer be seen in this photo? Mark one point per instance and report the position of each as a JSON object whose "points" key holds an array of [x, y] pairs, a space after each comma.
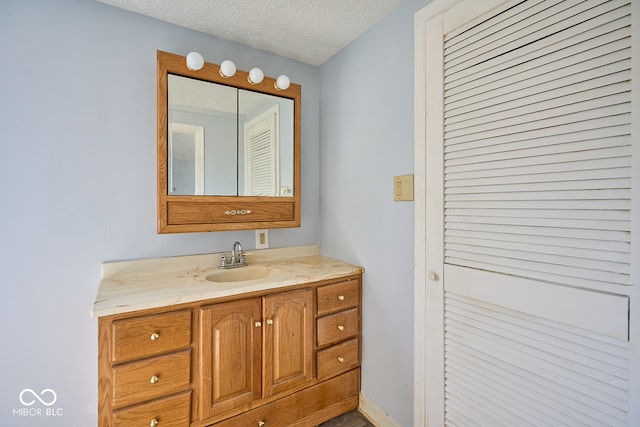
{"points": [[308, 407], [148, 379], [337, 327], [337, 297], [338, 358], [207, 212], [169, 412], [150, 335]]}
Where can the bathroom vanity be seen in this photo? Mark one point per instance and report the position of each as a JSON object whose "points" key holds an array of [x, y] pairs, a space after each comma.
{"points": [[183, 343]]}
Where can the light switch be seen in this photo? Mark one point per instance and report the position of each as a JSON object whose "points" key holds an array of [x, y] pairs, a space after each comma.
{"points": [[403, 188]]}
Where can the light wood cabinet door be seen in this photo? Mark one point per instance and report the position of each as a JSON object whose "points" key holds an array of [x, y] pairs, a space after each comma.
{"points": [[230, 355], [288, 340]]}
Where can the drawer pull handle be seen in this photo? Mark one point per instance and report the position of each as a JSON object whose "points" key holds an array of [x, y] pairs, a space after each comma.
{"points": [[154, 379], [269, 322], [340, 328], [258, 324], [155, 336], [154, 422], [340, 359], [341, 297], [237, 212], [260, 423]]}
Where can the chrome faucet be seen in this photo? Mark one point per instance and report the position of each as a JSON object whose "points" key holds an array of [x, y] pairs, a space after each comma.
{"points": [[236, 249], [233, 252]]}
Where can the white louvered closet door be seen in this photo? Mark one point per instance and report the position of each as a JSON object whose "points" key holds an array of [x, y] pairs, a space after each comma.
{"points": [[261, 154], [536, 169]]}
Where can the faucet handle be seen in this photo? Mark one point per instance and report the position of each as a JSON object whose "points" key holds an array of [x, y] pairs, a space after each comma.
{"points": [[223, 260]]}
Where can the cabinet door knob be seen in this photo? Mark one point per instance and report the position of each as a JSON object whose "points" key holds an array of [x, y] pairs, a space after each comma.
{"points": [[269, 322], [340, 328], [433, 276], [155, 336], [260, 423], [154, 422], [340, 359], [154, 379], [258, 324], [341, 297]]}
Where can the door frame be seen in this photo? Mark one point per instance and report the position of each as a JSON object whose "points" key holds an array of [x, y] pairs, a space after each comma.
{"points": [[428, 352], [197, 132], [428, 252]]}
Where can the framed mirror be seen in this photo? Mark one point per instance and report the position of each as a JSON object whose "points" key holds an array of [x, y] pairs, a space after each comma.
{"points": [[228, 150]]}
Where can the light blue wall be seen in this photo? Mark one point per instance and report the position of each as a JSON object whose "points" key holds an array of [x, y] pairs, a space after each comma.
{"points": [[366, 137], [78, 182]]}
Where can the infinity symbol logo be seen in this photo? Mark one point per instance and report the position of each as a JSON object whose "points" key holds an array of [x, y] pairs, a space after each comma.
{"points": [[42, 393]]}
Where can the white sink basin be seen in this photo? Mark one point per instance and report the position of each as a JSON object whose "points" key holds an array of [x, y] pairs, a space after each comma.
{"points": [[240, 274]]}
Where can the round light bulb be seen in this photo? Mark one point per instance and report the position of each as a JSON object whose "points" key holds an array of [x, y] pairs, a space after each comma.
{"points": [[227, 68], [256, 76], [283, 82], [195, 61]]}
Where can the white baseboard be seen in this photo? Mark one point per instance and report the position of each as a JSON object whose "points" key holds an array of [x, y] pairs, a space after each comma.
{"points": [[376, 415]]}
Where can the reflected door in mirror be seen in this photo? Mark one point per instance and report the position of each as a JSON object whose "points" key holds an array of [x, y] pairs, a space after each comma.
{"points": [[186, 159], [213, 108]]}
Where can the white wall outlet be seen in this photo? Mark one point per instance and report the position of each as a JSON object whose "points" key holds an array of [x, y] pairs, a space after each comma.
{"points": [[262, 239]]}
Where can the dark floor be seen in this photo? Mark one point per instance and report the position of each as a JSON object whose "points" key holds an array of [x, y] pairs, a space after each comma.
{"points": [[350, 419]]}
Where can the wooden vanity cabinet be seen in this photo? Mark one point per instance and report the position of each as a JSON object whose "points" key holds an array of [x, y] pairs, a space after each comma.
{"points": [[282, 357], [144, 367], [230, 356], [288, 340], [339, 324], [254, 348]]}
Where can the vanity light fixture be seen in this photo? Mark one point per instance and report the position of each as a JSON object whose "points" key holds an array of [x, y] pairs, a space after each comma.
{"points": [[195, 61], [227, 68], [282, 82], [255, 76]]}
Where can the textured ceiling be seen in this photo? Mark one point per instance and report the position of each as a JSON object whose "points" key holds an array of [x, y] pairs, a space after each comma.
{"points": [[309, 31]]}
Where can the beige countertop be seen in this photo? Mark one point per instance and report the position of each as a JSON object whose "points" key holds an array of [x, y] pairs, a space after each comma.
{"points": [[158, 282]]}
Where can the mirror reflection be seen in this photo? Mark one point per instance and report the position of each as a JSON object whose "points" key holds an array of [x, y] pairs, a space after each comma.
{"points": [[226, 141]]}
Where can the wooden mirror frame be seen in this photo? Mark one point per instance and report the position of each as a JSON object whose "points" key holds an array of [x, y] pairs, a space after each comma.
{"points": [[185, 214]]}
